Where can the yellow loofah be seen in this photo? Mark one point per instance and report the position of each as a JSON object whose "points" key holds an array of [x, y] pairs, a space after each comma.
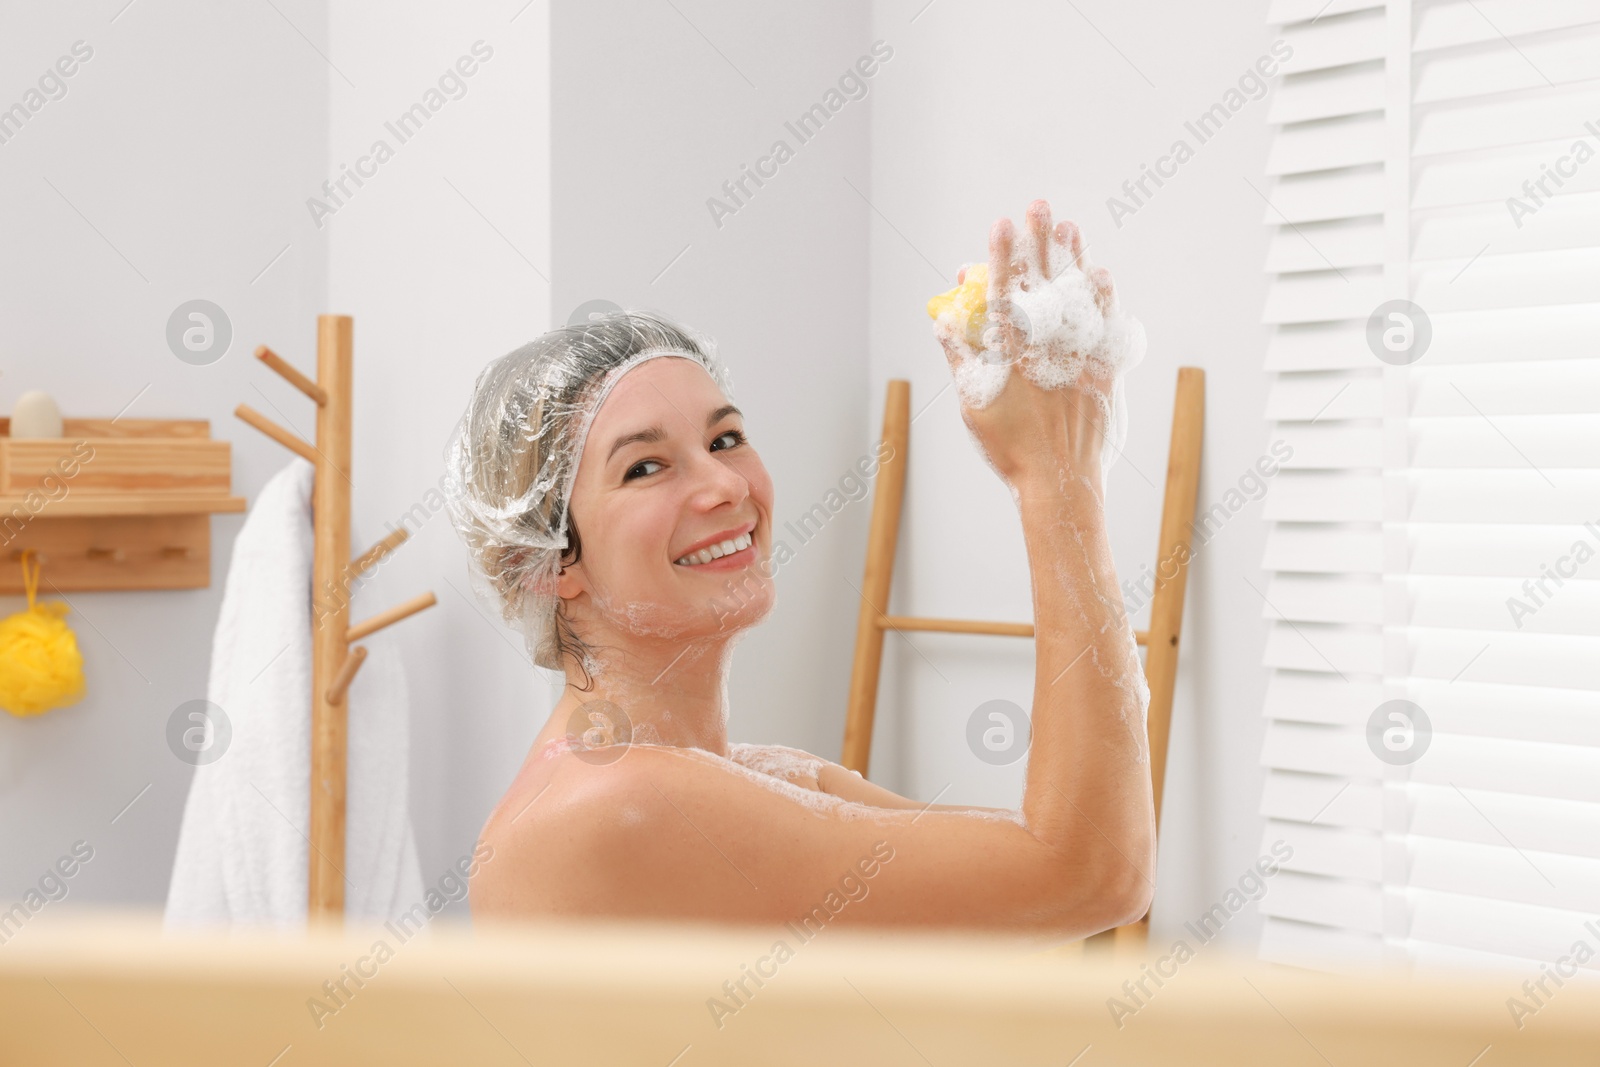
{"points": [[970, 301], [40, 667]]}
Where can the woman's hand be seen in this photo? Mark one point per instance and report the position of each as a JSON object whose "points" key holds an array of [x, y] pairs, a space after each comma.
{"points": [[1028, 431]]}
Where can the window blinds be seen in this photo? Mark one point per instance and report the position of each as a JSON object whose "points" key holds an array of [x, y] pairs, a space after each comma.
{"points": [[1426, 500]]}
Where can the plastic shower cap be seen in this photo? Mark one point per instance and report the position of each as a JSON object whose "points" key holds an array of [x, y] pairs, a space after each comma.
{"points": [[514, 456]]}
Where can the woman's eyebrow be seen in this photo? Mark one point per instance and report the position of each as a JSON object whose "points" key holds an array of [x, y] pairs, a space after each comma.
{"points": [[656, 433], [653, 434]]}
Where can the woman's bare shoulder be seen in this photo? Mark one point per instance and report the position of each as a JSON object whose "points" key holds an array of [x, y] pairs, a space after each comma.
{"points": [[642, 829]]}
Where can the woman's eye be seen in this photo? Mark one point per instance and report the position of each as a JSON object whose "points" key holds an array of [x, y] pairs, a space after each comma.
{"points": [[737, 435], [628, 477]]}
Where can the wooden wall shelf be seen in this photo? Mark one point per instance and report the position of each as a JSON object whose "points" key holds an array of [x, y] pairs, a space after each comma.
{"points": [[113, 504]]}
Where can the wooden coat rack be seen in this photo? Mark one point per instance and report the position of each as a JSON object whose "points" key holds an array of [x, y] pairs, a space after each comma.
{"points": [[333, 662]]}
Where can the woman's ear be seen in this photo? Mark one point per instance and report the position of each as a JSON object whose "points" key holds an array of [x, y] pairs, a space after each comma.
{"points": [[571, 581]]}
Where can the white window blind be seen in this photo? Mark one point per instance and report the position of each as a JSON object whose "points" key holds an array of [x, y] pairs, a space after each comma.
{"points": [[1422, 496]]}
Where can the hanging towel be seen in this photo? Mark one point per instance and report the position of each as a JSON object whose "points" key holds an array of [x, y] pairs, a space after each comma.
{"points": [[243, 845]]}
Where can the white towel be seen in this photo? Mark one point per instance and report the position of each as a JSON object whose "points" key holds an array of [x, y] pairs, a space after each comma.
{"points": [[242, 849]]}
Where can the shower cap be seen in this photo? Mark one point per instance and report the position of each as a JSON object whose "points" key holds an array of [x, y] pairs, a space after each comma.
{"points": [[513, 457]]}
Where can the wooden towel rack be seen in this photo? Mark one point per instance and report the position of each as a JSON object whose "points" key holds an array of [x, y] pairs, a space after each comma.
{"points": [[333, 662]]}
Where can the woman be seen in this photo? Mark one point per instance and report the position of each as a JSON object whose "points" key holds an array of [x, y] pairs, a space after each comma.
{"points": [[632, 803]]}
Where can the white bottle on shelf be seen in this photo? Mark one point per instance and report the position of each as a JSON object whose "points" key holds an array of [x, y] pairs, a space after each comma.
{"points": [[35, 415]]}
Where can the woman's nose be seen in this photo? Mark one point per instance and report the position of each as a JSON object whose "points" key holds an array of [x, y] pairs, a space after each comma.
{"points": [[719, 479]]}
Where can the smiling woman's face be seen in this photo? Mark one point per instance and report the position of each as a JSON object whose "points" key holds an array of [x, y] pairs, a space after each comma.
{"points": [[665, 470]]}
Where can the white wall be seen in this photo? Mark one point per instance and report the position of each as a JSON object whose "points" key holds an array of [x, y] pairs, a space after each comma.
{"points": [[983, 110], [173, 168], [653, 111]]}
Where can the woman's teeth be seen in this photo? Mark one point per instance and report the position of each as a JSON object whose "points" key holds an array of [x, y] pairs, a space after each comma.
{"points": [[706, 555]]}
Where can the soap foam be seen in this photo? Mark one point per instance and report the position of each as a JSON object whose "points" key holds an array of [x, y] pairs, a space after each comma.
{"points": [[773, 767], [1011, 815], [817, 802], [1125, 673], [776, 760], [770, 765], [1066, 334]]}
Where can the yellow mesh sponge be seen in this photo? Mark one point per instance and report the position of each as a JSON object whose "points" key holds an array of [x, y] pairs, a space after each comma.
{"points": [[968, 302], [40, 666]]}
